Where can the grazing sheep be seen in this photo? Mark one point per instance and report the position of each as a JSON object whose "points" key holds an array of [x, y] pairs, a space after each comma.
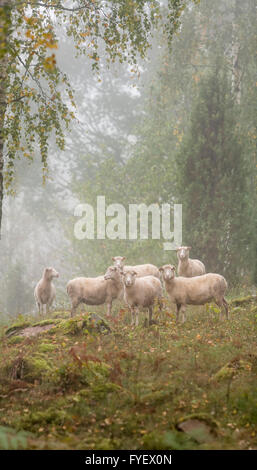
{"points": [[95, 290], [45, 290], [141, 269], [141, 292], [188, 267], [197, 290]]}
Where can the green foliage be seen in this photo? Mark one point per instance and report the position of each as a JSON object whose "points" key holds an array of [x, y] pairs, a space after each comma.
{"points": [[35, 105], [13, 440], [212, 180], [192, 148], [141, 388]]}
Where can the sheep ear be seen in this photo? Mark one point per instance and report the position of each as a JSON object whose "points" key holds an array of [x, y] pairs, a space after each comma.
{"points": [[161, 269], [123, 257], [113, 259], [173, 268], [189, 247], [135, 273], [179, 247]]}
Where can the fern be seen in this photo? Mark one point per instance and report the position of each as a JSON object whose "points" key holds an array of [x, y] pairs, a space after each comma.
{"points": [[13, 440]]}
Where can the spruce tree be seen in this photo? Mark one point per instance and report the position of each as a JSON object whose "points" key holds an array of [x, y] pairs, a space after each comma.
{"points": [[213, 180]]}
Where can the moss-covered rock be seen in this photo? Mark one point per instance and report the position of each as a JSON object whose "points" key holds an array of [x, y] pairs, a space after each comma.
{"points": [[241, 301], [49, 321], [86, 324], [16, 328], [231, 369]]}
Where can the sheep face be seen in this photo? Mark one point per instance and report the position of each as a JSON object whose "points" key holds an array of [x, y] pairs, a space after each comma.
{"points": [[168, 272], [111, 273], [129, 278], [183, 252], [50, 273], [118, 261]]}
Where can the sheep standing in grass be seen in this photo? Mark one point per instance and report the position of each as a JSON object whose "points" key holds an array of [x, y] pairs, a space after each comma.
{"points": [[188, 267], [197, 290], [45, 290], [95, 291], [141, 269], [141, 292]]}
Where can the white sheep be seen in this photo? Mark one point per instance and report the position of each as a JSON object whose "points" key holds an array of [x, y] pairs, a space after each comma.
{"points": [[45, 291], [141, 269], [95, 291], [188, 267], [197, 290], [141, 292]]}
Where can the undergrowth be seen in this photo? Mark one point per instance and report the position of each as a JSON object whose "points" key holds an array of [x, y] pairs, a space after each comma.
{"points": [[77, 386]]}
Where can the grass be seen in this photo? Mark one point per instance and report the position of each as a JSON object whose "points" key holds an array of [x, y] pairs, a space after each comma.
{"points": [[77, 387]]}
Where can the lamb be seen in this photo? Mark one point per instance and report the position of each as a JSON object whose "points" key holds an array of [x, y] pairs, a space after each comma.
{"points": [[45, 290], [141, 269], [141, 292], [95, 290], [197, 290], [188, 267]]}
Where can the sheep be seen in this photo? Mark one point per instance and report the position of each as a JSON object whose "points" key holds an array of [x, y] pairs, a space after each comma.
{"points": [[141, 269], [95, 290], [197, 290], [45, 292], [140, 292], [188, 267]]}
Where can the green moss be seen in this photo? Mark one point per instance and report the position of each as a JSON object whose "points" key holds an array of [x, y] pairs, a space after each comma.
{"points": [[37, 367], [37, 419], [50, 321], [46, 347], [17, 327], [232, 368], [243, 300], [72, 326], [86, 324], [16, 339], [102, 388], [61, 314]]}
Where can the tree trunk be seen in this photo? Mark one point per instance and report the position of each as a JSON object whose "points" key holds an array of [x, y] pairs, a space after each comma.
{"points": [[236, 71], [5, 23]]}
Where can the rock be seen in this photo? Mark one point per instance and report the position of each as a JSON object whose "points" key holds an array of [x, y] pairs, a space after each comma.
{"points": [[201, 428]]}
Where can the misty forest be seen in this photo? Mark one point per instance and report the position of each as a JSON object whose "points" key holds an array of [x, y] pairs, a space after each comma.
{"points": [[140, 102]]}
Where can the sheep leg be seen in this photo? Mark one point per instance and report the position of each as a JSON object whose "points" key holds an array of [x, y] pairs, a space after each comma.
{"points": [[220, 304], [183, 310], [225, 304], [178, 309], [150, 315], [73, 308], [109, 308], [137, 321], [160, 303], [47, 309], [132, 316]]}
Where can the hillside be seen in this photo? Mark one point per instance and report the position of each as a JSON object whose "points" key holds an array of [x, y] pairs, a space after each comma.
{"points": [[87, 383]]}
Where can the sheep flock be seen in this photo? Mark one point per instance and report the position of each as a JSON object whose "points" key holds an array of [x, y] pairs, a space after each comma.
{"points": [[140, 287]]}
